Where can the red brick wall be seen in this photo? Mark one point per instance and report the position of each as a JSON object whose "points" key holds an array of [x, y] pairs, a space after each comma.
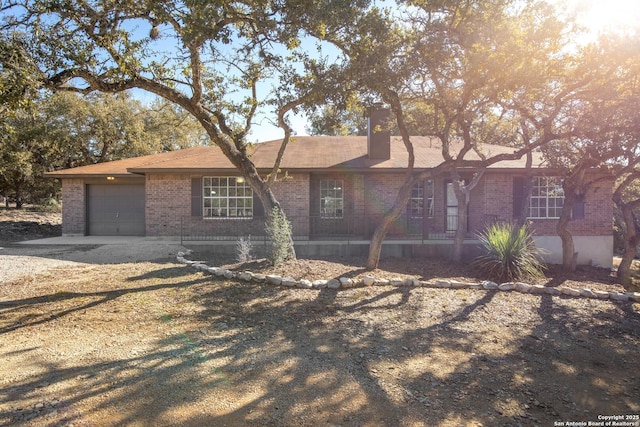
{"points": [[380, 192], [293, 195], [498, 203], [73, 206], [168, 202]]}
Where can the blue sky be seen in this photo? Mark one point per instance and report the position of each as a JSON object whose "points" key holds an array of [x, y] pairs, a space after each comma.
{"points": [[597, 15]]}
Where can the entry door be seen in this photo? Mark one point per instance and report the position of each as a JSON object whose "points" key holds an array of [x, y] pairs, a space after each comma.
{"points": [[115, 210], [452, 209]]}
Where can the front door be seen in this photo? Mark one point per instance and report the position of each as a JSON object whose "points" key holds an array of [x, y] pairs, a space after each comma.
{"points": [[452, 209]]}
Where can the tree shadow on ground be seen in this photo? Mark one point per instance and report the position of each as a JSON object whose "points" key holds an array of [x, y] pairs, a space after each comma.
{"points": [[33, 311], [252, 354]]}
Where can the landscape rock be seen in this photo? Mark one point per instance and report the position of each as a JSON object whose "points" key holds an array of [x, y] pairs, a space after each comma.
{"points": [[569, 291], [319, 284], [258, 277], [288, 282], [552, 291], [587, 293], [368, 280], [442, 284], [333, 284], [245, 276], [305, 284], [396, 281], [538, 289], [346, 282], [489, 285], [456, 284], [274, 280], [617, 296], [601, 294], [507, 286], [523, 287]]}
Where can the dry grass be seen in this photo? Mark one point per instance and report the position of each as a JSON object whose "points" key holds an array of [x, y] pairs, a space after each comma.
{"points": [[158, 344]]}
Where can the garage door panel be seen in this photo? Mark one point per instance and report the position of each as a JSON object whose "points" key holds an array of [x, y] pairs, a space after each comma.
{"points": [[115, 210]]}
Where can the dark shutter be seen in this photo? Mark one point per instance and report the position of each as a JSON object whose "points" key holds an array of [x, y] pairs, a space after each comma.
{"points": [[258, 209], [518, 195], [196, 196], [577, 210]]}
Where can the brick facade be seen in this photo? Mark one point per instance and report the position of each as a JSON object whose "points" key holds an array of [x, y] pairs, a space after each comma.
{"points": [[168, 202], [73, 207], [498, 203]]}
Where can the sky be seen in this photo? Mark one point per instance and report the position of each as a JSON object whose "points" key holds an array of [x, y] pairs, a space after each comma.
{"points": [[596, 15]]}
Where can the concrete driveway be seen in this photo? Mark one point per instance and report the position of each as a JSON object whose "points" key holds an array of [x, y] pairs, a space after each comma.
{"points": [[35, 256]]}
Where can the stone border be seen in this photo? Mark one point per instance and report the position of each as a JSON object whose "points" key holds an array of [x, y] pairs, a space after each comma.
{"points": [[347, 283]]}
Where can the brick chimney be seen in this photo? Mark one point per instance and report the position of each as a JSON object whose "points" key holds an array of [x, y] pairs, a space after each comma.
{"points": [[378, 133]]}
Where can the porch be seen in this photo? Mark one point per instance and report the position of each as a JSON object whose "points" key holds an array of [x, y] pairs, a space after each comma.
{"points": [[353, 229]]}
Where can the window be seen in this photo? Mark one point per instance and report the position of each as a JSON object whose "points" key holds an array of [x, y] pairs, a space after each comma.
{"points": [[547, 197], [227, 197], [331, 198], [421, 193]]}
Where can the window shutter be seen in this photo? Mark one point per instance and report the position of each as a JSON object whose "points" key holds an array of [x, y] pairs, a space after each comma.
{"points": [[258, 209], [518, 195], [577, 210], [196, 196]]}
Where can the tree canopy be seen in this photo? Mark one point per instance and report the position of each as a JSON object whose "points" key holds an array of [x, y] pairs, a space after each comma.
{"points": [[66, 130]]}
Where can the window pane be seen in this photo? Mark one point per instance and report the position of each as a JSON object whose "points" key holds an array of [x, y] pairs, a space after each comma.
{"points": [[225, 197], [547, 197], [331, 198]]}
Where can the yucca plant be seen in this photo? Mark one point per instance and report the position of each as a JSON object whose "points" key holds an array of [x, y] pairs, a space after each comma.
{"points": [[511, 253]]}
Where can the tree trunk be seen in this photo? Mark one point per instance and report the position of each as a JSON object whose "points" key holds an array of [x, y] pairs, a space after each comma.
{"points": [[375, 247], [462, 193], [461, 231], [527, 190], [569, 256], [269, 202], [631, 239]]}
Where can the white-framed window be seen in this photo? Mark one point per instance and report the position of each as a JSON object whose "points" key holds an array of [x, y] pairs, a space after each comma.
{"points": [[547, 197], [331, 198], [421, 200], [226, 197]]}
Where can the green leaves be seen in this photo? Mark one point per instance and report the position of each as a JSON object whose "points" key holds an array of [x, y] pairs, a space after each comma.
{"points": [[510, 253]]}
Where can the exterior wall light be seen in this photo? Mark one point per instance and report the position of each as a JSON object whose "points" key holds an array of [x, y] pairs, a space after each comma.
{"points": [[111, 178]]}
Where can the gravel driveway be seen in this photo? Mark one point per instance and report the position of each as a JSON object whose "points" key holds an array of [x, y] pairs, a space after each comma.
{"points": [[19, 260]]}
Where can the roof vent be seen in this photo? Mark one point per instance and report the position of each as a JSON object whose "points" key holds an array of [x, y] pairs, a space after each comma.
{"points": [[378, 133]]}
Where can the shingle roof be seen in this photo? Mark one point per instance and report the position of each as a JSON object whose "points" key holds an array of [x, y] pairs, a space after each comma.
{"points": [[303, 153]]}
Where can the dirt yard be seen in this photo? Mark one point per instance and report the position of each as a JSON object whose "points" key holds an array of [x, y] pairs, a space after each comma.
{"points": [[156, 343]]}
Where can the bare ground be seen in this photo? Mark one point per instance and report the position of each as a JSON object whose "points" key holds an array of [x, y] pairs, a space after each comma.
{"points": [[159, 344]]}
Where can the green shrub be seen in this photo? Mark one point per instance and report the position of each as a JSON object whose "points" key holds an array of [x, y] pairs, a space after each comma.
{"points": [[511, 253], [278, 229]]}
